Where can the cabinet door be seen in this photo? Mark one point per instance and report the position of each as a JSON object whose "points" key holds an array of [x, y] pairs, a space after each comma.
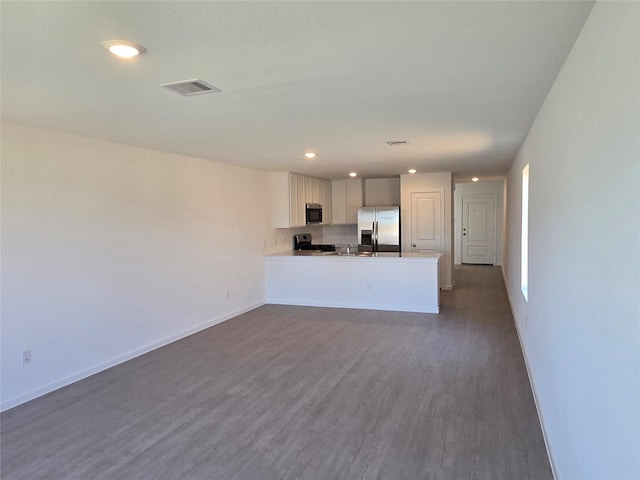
{"points": [[301, 192], [296, 200], [353, 200], [319, 193], [338, 202], [293, 199], [308, 189], [326, 202], [314, 190]]}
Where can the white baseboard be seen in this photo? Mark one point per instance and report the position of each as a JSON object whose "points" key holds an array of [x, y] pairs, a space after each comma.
{"points": [[449, 287], [552, 461], [356, 306], [20, 399]]}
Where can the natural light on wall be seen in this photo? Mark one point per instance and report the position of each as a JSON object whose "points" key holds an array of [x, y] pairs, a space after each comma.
{"points": [[524, 252]]}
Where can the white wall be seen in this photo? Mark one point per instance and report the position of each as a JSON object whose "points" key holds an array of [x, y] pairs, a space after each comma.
{"points": [[493, 187], [281, 239], [430, 182], [581, 327], [109, 250], [382, 192]]}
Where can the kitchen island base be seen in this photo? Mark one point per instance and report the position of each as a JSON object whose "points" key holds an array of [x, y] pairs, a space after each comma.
{"points": [[387, 282]]}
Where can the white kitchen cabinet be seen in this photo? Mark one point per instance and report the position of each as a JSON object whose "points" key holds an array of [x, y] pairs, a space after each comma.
{"points": [[318, 190], [296, 200], [338, 202], [326, 202], [290, 192], [346, 199], [308, 189]]}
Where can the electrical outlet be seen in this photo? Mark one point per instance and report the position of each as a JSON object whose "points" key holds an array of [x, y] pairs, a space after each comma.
{"points": [[265, 244], [228, 294], [26, 357]]}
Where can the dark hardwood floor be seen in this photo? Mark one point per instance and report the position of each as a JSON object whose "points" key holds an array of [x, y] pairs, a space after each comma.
{"points": [[302, 393]]}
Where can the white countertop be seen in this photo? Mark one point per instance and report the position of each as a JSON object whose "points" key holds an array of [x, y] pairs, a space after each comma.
{"points": [[377, 257]]}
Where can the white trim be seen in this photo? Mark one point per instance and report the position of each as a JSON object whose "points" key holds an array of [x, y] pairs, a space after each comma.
{"points": [[524, 233], [552, 461], [20, 399], [441, 192], [495, 223], [356, 306]]}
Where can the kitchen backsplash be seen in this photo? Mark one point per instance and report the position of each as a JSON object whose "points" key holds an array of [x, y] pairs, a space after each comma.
{"points": [[281, 239], [339, 234]]}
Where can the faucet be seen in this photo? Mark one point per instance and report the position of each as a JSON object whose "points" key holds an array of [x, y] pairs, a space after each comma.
{"points": [[349, 247]]}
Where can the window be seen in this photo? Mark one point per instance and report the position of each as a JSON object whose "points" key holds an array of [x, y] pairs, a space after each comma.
{"points": [[524, 251]]}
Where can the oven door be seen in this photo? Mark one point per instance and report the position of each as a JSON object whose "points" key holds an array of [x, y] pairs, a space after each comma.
{"points": [[313, 213]]}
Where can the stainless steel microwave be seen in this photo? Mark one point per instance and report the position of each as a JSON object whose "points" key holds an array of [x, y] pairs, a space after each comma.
{"points": [[313, 213]]}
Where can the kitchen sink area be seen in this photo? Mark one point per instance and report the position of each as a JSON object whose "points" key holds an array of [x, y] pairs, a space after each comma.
{"points": [[358, 254], [303, 246], [340, 253]]}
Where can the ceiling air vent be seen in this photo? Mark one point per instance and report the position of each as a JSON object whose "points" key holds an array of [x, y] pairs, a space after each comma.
{"points": [[395, 143], [186, 88]]}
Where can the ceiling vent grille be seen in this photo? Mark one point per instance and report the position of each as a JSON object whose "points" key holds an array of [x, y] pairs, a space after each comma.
{"points": [[186, 88], [395, 143]]}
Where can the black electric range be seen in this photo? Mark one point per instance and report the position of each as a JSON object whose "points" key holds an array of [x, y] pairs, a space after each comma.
{"points": [[302, 241]]}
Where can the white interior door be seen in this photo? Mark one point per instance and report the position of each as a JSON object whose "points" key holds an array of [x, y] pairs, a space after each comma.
{"points": [[478, 229], [426, 222]]}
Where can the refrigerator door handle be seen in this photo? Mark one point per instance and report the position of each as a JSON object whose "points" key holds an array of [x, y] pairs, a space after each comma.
{"points": [[375, 236]]}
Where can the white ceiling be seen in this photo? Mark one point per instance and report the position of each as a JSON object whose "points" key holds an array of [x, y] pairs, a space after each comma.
{"points": [[460, 81]]}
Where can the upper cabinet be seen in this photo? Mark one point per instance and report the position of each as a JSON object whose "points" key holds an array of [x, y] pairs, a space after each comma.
{"points": [[346, 199], [297, 199], [290, 192], [327, 210]]}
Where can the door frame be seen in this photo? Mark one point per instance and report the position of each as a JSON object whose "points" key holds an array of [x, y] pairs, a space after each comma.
{"points": [[495, 222], [441, 193]]}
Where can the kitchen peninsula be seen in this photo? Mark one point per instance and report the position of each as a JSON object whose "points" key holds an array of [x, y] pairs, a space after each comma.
{"points": [[384, 281]]}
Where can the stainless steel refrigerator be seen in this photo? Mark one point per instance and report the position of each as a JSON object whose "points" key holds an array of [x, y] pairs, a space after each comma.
{"points": [[379, 229]]}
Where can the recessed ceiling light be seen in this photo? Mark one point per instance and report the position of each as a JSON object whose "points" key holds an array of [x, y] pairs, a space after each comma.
{"points": [[412, 171], [310, 155], [475, 179], [353, 174], [124, 48]]}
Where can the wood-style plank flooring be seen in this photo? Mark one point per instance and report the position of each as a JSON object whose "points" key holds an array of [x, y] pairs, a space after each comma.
{"points": [[302, 393]]}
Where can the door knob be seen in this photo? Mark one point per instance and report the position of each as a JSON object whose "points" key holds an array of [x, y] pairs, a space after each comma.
{"points": [[413, 245]]}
